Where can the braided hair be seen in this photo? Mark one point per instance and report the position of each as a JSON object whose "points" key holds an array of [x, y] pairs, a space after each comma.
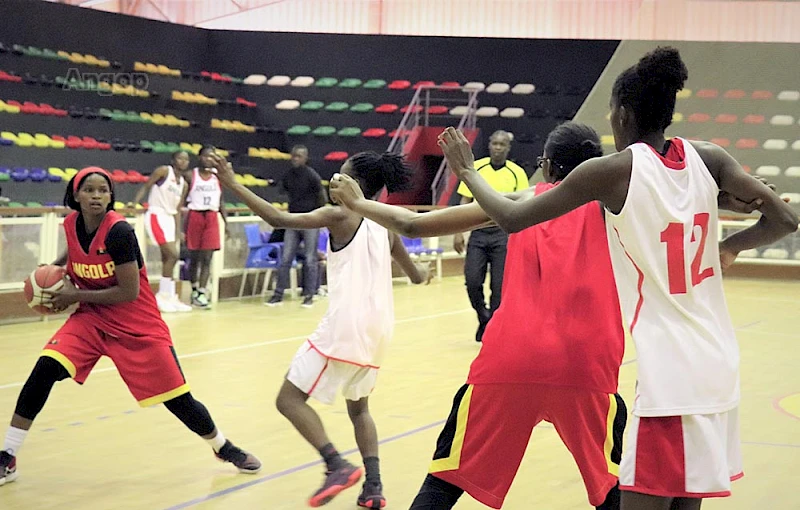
{"points": [[374, 171]]}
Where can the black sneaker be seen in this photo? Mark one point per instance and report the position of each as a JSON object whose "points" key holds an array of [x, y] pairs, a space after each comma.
{"points": [[335, 482], [275, 300], [308, 302], [246, 462], [371, 496], [8, 468]]}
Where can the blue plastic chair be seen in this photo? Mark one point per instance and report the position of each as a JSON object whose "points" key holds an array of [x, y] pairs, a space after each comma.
{"points": [[260, 255], [322, 243]]}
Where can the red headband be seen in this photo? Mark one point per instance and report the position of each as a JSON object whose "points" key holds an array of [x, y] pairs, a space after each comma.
{"points": [[86, 171]]}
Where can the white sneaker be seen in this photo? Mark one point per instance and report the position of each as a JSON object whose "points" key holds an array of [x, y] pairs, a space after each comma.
{"points": [[179, 305], [165, 304]]}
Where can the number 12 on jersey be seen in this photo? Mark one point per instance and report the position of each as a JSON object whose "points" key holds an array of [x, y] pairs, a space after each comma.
{"points": [[673, 236]]}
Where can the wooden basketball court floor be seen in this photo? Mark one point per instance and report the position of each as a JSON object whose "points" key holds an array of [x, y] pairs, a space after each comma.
{"points": [[93, 448]]}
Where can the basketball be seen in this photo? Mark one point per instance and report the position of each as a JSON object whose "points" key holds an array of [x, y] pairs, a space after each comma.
{"points": [[43, 279]]}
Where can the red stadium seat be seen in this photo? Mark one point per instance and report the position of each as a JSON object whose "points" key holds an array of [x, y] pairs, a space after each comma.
{"points": [[753, 119], [722, 142], [762, 94], [699, 117], [707, 93], [437, 110], [387, 108], [374, 133], [747, 143], [735, 94], [725, 118], [399, 84], [336, 156]]}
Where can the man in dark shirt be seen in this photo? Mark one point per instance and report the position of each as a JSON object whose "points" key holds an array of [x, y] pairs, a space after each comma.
{"points": [[304, 187]]}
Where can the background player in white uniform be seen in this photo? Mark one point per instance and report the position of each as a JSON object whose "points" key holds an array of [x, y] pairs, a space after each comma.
{"points": [[165, 190], [662, 196], [348, 346], [204, 201]]}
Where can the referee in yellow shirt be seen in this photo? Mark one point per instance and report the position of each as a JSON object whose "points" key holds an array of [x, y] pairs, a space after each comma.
{"points": [[487, 246]]}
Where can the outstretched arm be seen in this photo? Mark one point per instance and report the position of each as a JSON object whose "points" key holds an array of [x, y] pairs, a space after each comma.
{"points": [[317, 218], [451, 220], [589, 181]]}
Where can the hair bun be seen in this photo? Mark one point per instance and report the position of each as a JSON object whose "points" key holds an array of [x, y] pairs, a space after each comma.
{"points": [[663, 65]]}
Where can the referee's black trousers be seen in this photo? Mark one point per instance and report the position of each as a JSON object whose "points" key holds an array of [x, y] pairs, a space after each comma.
{"points": [[486, 250]]}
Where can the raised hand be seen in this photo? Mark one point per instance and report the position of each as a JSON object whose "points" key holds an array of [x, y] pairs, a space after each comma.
{"points": [[457, 150], [225, 172], [344, 190]]}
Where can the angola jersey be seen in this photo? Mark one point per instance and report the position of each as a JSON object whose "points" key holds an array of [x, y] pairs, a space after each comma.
{"points": [[204, 194], [166, 197], [559, 322], [94, 270], [666, 261]]}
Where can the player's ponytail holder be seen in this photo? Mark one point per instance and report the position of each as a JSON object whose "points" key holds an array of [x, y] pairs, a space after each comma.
{"points": [[86, 171]]}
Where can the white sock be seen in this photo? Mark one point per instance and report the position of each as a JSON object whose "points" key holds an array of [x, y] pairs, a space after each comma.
{"points": [[217, 442], [172, 288], [164, 286], [14, 439]]}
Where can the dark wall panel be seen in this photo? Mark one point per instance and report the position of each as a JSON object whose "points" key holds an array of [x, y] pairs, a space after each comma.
{"points": [[564, 71]]}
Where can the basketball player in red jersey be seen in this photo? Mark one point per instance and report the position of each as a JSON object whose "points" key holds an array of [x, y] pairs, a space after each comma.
{"points": [[555, 365], [117, 317], [661, 201]]}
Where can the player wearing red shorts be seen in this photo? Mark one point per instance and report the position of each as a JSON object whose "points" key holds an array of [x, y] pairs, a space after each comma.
{"points": [[204, 201], [551, 352], [117, 317]]}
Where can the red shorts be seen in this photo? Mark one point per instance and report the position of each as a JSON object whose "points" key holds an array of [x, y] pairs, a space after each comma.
{"points": [[202, 230], [148, 365], [489, 427], [691, 456]]}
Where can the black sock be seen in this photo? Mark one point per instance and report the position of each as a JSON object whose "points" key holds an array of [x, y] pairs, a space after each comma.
{"points": [[332, 458], [612, 500], [436, 494], [372, 465]]}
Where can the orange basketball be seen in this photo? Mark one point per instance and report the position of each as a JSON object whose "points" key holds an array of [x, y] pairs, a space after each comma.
{"points": [[43, 279]]}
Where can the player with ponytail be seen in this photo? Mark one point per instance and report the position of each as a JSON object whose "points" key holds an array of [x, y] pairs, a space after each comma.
{"points": [[345, 352]]}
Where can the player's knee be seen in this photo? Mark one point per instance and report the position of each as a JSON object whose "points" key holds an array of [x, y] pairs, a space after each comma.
{"points": [[357, 409], [169, 256], [48, 370]]}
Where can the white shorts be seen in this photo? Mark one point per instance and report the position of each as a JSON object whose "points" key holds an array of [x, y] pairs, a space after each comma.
{"points": [[692, 456], [321, 377], [160, 227]]}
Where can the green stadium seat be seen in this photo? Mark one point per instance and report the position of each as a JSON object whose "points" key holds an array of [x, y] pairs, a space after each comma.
{"points": [[362, 108], [324, 131], [48, 53], [349, 131], [375, 84], [337, 106], [350, 83], [312, 106], [326, 82], [298, 130]]}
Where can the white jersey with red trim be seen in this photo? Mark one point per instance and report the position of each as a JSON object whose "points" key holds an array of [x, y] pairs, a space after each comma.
{"points": [[166, 197], [665, 255], [204, 195], [359, 323]]}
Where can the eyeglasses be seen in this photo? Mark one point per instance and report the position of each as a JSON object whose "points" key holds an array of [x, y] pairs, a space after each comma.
{"points": [[541, 159]]}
